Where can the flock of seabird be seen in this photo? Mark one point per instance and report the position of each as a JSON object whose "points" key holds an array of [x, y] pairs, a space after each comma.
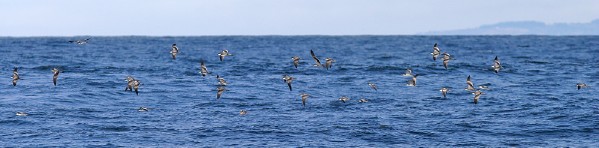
{"points": [[133, 84]]}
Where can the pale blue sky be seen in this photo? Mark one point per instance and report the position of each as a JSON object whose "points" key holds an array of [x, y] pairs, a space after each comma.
{"points": [[276, 17]]}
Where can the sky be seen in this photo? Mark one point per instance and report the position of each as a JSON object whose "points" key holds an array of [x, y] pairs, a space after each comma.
{"points": [[276, 17]]}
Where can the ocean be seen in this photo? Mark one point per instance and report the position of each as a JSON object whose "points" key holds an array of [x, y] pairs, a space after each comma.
{"points": [[532, 101]]}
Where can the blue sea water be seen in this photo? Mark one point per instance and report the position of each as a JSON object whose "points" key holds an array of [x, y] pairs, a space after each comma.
{"points": [[532, 101]]}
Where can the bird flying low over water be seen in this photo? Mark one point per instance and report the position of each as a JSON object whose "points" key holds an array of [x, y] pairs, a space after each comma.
{"points": [[295, 61], [79, 42], [344, 99], [55, 77], [444, 92], [470, 86], [304, 98], [22, 114], [412, 82], [136, 86], [222, 54], [436, 52], [174, 51], [328, 63], [221, 80], [243, 112], [15, 76], [129, 80], [203, 69], [477, 94], [143, 109], [581, 85], [372, 85], [219, 91], [363, 100], [408, 72], [288, 80], [445, 59], [496, 65], [318, 64]]}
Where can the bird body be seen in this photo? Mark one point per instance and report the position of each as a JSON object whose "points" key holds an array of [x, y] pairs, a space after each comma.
{"points": [[203, 69], [295, 61], [221, 80], [496, 65], [372, 85], [477, 94], [174, 51], [304, 98], [219, 91], [444, 91], [470, 86], [581, 85], [344, 99], [222, 54], [328, 63], [55, 77], [446, 59], [15, 76], [436, 52], [288, 80]]}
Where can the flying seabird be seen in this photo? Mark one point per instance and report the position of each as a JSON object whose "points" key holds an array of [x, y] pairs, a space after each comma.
{"points": [[143, 109], [130, 82], [470, 86], [372, 85], [55, 77], [444, 91], [222, 54], [581, 85], [445, 59], [436, 52], [174, 51], [496, 65], [328, 63], [22, 114], [203, 69], [412, 82], [136, 86], [221, 80], [362, 100], [15, 76], [315, 59], [295, 61], [477, 94], [304, 98], [288, 80], [344, 99], [408, 72], [220, 91], [243, 112], [79, 42]]}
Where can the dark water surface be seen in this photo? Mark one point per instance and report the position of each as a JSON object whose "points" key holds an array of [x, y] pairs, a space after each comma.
{"points": [[533, 101]]}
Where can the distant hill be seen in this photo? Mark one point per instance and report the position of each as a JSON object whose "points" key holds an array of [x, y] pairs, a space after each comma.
{"points": [[527, 28]]}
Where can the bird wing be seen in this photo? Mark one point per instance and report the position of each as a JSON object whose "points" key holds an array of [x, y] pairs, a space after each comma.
{"points": [[315, 58]]}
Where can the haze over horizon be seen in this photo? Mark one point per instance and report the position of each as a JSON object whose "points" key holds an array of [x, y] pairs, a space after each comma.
{"points": [[271, 17]]}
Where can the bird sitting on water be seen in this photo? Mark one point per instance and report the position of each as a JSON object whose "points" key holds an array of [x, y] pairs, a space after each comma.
{"points": [[22, 114], [143, 109], [243, 112]]}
